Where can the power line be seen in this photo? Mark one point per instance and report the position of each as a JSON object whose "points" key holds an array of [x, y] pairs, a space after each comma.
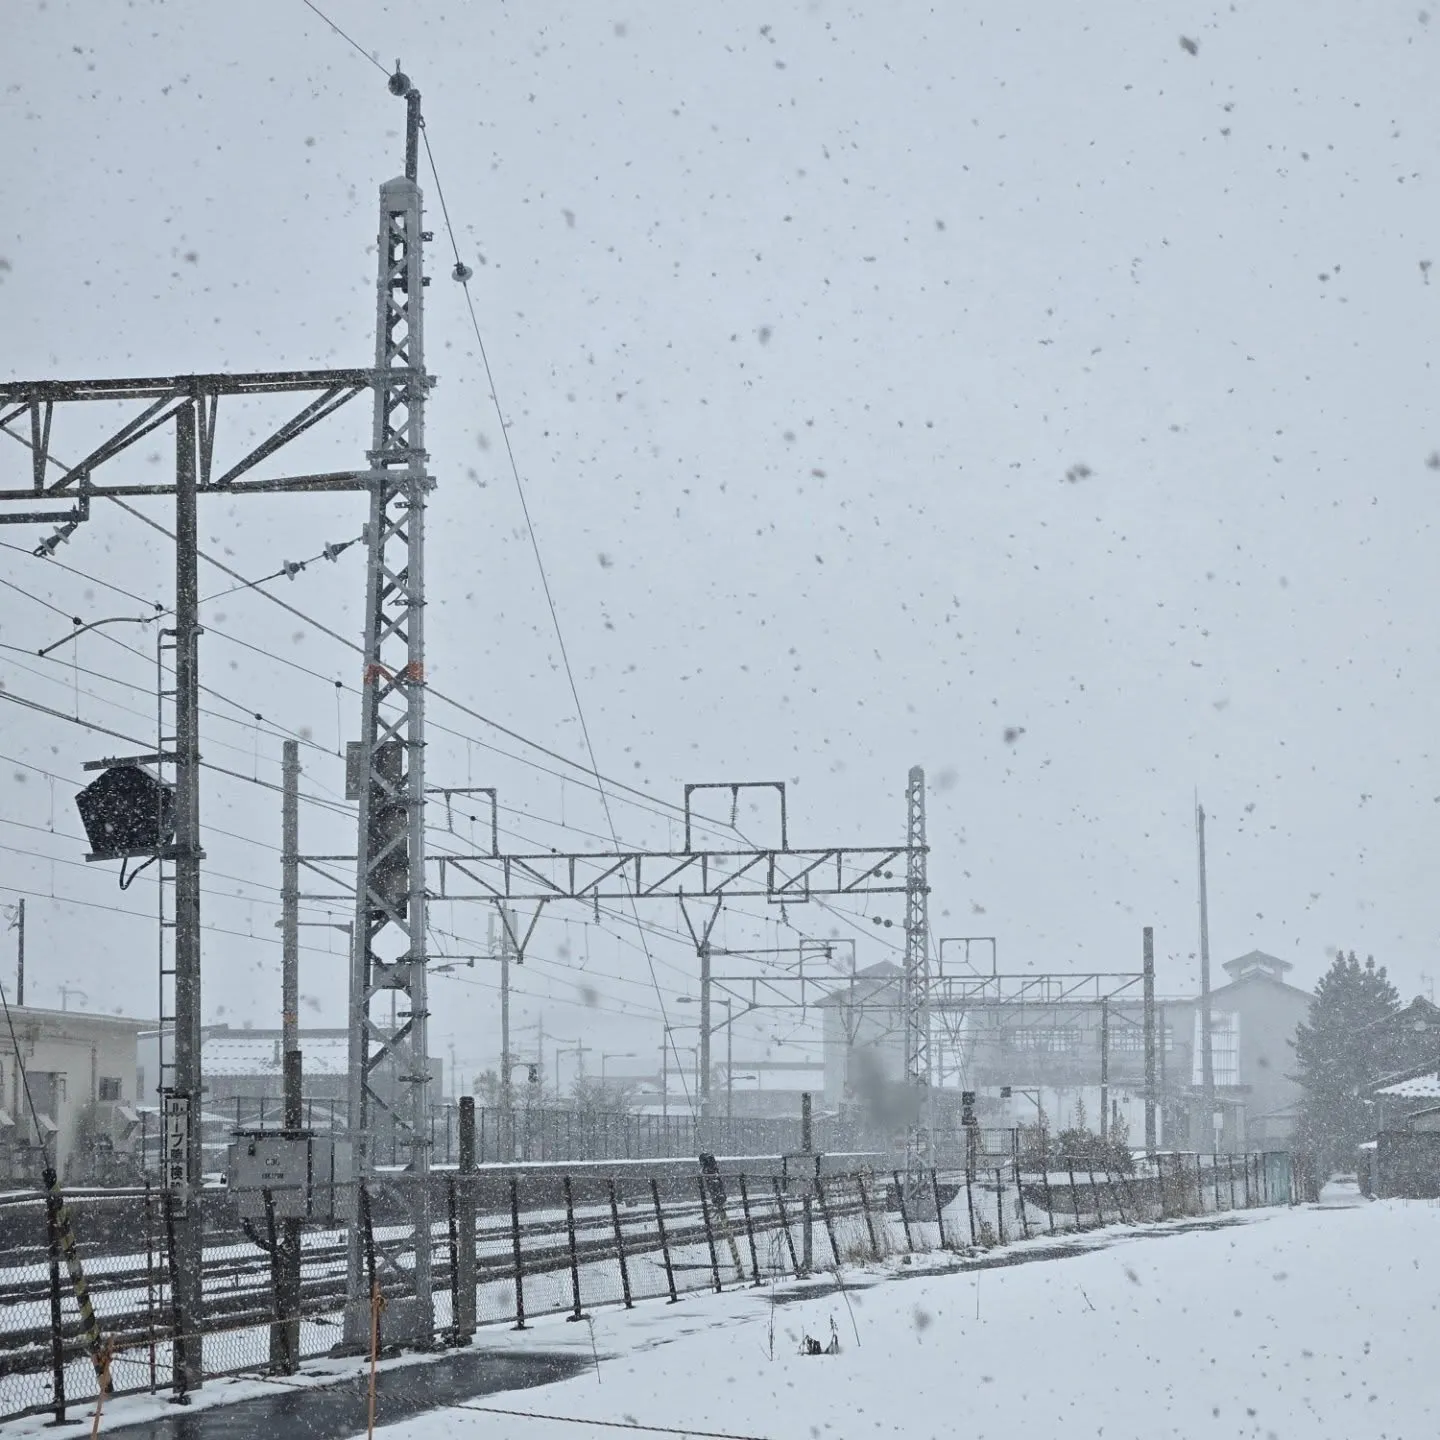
{"points": [[349, 39], [462, 274]]}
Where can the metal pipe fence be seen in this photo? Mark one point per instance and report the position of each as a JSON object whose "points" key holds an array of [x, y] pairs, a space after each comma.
{"points": [[550, 1240]]}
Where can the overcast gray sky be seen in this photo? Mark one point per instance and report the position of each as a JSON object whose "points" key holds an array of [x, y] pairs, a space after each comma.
{"points": [[883, 380]]}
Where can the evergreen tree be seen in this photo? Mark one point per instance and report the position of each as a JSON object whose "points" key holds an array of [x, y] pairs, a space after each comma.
{"points": [[1339, 1059]]}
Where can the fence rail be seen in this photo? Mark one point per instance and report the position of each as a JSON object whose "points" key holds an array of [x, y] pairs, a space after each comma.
{"points": [[555, 1134], [548, 1241]]}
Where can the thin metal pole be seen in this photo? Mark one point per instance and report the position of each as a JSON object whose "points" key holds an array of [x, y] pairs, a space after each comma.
{"points": [[57, 1332], [1148, 943], [1207, 1058], [518, 1252], [664, 1242], [507, 1094], [1104, 1068], [812, 1176], [189, 1235], [464, 1316], [704, 948], [20, 954], [729, 1063], [285, 1337]]}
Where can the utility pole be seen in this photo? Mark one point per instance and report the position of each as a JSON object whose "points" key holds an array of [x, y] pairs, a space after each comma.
{"points": [[1149, 973], [191, 403], [729, 1061], [285, 1337], [507, 1094], [1164, 1082], [18, 924], [390, 897], [915, 990], [1207, 1059], [704, 1059], [1105, 1068], [187, 1089]]}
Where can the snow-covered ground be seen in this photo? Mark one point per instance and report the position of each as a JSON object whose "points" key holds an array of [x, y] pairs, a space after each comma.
{"points": [[1316, 1322]]}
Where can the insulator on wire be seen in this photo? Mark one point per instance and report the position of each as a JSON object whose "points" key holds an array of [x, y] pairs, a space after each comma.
{"points": [[462, 272]]}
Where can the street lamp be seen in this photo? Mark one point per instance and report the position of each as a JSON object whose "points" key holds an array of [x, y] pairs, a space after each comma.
{"points": [[729, 1005], [576, 1049], [667, 1043], [619, 1055]]}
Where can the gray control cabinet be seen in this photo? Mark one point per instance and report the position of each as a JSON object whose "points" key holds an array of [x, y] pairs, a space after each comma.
{"points": [[307, 1176]]}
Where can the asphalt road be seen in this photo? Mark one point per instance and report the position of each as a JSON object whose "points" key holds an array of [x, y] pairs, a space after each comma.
{"points": [[334, 1412]]}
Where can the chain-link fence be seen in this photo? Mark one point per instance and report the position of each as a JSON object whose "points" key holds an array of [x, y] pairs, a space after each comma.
{"points": [[551, 1240]]}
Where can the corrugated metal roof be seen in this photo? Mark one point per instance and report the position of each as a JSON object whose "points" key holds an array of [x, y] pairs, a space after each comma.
{"points": [[1418, 1087], [259, 1055]]}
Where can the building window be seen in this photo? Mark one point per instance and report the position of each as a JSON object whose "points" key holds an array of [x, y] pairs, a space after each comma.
{"points": [[109, 1087], [1052, 1040], [1130, 1039]]}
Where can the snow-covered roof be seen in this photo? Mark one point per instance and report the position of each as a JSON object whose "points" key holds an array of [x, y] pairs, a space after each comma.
{"points": [[236, 1053], [1418, 1087]]}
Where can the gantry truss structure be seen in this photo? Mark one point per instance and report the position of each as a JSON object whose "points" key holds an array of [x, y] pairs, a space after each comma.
{"points": [[389, 896], [701, 880], [61, 493]]}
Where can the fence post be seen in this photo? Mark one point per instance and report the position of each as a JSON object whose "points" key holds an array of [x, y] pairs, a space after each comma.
{"points": [[282, 1358], [150, 1278], [1074, 1195], [182, 1395], [709, 1234], [1049, 1199], [1020, 1193], [57, 1334], [750, 1230], [825, 1215], [463, 1313], [1117, 1193], [1246, 1161], [939, 1209], [1095, 1191], [518, 1253], [807, 1145], [577, 1313], [904, 1217], [970, 1206], [620, 1243], [367, 1231], [785, 1225], [664, 1243], [869, 1221], [1000, 1205], [452, 1236]]}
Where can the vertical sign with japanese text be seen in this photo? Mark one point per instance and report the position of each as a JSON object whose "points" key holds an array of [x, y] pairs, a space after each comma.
{"points": [[177, 1143]]}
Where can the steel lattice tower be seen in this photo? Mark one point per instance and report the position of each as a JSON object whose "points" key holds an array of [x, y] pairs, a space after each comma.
{"points": [[388, 953], [915, 984]]}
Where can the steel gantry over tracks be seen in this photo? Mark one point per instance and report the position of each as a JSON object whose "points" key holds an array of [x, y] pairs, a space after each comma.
{"points": [[704, 878], [389, 948]]}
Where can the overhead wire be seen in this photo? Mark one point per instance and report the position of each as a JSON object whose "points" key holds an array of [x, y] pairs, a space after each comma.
{"points": [[601, 782]]}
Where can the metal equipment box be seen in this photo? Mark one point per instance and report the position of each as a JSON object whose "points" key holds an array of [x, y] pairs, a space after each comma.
{"points": [[306, 1176]]}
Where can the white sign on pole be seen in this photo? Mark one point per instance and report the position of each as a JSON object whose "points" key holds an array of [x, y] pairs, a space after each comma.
{"points": [[177, 1143]]}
